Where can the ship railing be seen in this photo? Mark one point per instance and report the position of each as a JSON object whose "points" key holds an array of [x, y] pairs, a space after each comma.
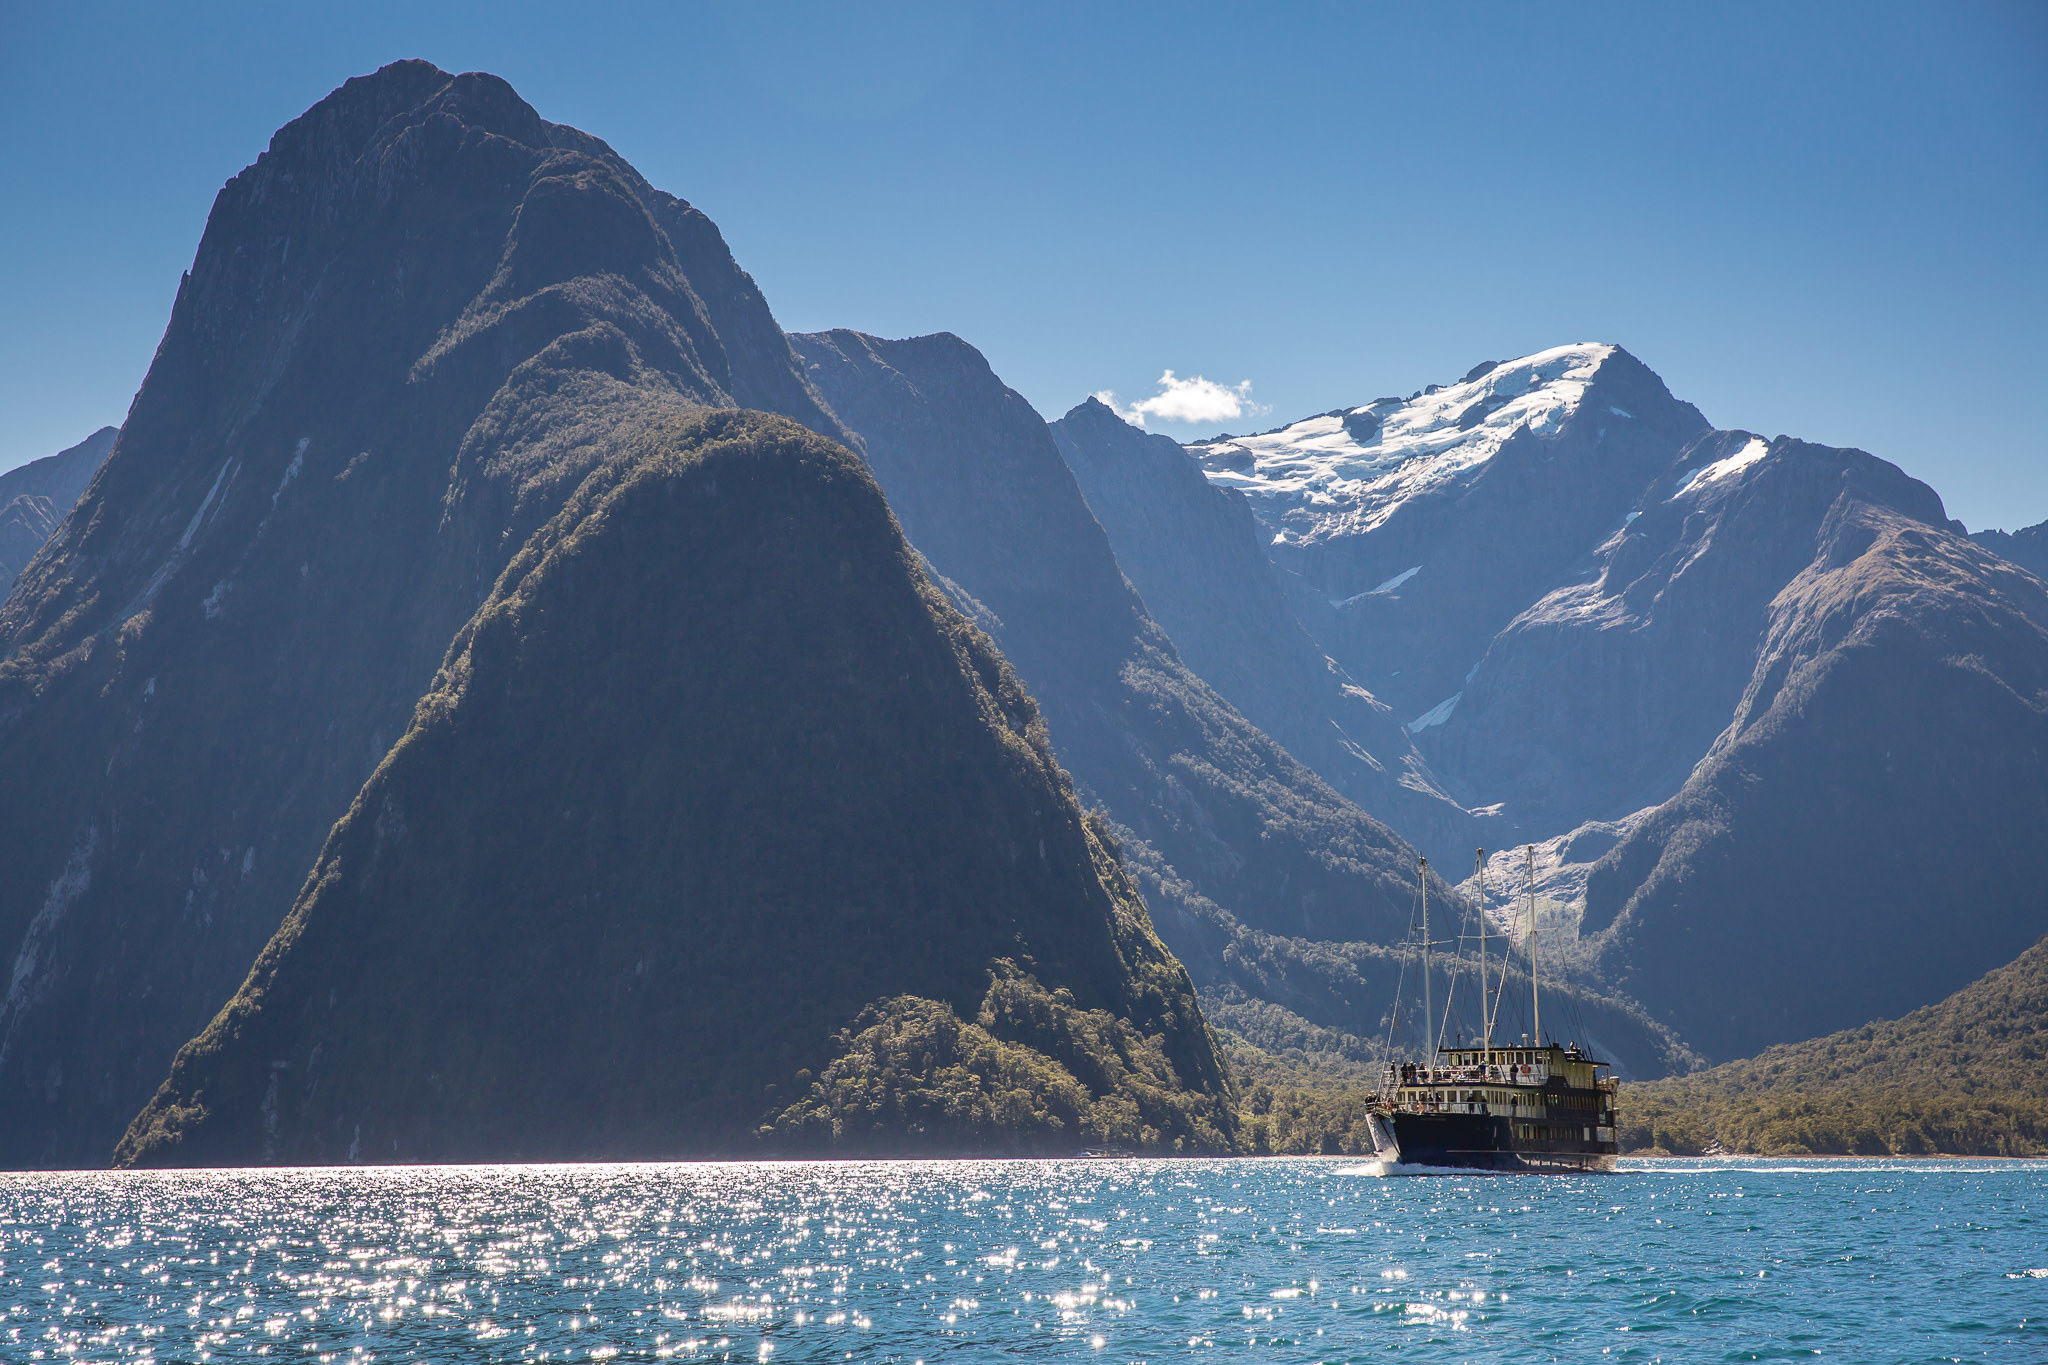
{"points": [[1505, 1074]]}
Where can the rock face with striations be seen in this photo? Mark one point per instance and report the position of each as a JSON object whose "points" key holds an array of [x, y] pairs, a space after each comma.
{"points": [[981, 491], [1196, 556], [37, 496], [1418, 526], [713, 775], [412, 329]]}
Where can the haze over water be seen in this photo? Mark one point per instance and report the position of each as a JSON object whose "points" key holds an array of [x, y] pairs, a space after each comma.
{"points": [[1738, 1259]]}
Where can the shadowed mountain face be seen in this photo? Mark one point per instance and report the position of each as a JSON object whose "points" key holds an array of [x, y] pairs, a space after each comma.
{"points": [[1658, 630], [1195, 554], [712, 772], [411, 328], [1864, 835], [981, 491], [36, 497], [1266, 882]]}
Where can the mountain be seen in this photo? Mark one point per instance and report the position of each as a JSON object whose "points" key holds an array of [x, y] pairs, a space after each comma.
{"points": [[411, 328], [1863, 836], [36, 496], [1196, 557], [2026, 547], [1758, 704], [980, 489], [1966, 1075], [713, 774], [1274, 889], [1417, 526]]}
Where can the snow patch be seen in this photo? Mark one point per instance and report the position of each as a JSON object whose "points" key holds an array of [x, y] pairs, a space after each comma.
{"points": [[1436, 715], [291, 471], [185, 541], [1621, 412], [1397, 580], [1734, 464], [1356, 466]]}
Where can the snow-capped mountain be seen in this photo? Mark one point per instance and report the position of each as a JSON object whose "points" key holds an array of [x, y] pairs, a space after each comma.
{"points": [[1414, 527], [1349, 470], [1732, 687]]}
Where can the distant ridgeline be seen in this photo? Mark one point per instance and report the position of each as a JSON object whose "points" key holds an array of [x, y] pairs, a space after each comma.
{"points": [[37, 496]]}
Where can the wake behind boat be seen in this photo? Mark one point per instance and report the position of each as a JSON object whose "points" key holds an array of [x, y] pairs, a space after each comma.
{"points": [[1532, 1107]]}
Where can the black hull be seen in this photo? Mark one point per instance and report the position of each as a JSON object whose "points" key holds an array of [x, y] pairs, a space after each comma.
{"points": [[1482, 1142]]}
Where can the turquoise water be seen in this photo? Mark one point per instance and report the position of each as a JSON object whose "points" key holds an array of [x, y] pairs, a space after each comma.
{"points": [[1286, 1260]]}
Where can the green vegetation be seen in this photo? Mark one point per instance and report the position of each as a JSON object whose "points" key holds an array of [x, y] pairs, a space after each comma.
{"points": [[1032, 1073], [1967, 1076], [717, 818]]}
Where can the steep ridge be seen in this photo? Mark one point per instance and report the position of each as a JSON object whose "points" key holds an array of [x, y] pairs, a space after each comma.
{"points": [[410, 329], [1966, 1075], [1599, 698], [37, 496], [1419, 526], [981, 491], [1864, 836], [1267, 883], [1194, 553], [713, 775]]}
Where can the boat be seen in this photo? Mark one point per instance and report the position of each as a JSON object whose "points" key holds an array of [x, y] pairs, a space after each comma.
{"points": [[1530, 1106]]}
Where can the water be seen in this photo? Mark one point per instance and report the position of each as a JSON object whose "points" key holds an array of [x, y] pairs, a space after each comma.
{"points": [[1285, 1260]]}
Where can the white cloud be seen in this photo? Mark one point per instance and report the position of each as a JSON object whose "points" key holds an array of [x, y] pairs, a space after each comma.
{"points": [[1196, 401]]}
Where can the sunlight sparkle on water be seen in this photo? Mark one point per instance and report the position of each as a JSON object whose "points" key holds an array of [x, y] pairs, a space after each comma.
{"points": [[1283, 1259]]}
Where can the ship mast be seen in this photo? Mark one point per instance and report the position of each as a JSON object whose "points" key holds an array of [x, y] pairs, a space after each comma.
{"points": [[1485, 1014], [1535, 995], [1428, 1003]]}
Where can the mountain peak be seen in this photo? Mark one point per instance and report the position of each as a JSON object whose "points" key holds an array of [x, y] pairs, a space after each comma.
{"points": [[1102, 421], [1373, 457]]}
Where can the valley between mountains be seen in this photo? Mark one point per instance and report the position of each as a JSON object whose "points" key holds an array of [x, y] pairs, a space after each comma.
{"points": [[500, 697]]}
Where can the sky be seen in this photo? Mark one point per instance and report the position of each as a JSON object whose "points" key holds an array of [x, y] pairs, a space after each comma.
{"points": [[1823, 220]]}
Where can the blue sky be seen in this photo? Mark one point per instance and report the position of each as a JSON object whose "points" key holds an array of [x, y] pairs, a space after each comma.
{"points": [[1824, 220]]}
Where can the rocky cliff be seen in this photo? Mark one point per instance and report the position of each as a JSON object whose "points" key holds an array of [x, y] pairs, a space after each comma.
{"points": [[1195, 554]]}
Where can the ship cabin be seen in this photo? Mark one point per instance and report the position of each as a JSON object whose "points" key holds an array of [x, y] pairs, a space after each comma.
{"points": [[1537, 1087]]}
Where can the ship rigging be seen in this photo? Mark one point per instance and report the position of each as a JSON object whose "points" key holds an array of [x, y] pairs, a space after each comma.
{"points": [[1530, 1106]]}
